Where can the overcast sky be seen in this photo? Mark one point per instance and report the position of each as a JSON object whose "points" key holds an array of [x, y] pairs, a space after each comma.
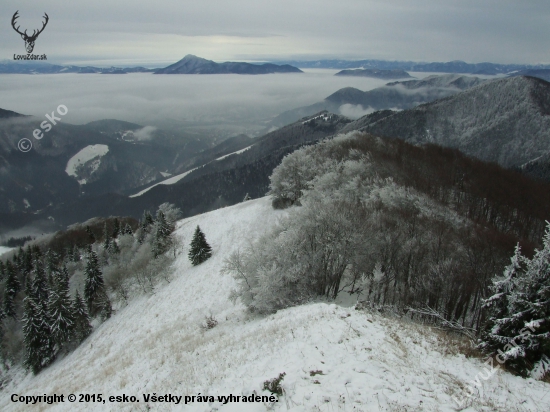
{"points": [[163, 31]]}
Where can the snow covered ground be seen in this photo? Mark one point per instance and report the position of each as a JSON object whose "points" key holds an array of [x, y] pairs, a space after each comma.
{"points": [[335, 358], [93, 152]]}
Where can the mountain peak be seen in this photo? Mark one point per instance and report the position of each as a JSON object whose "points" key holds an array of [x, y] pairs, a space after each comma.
{"points": [[192, 57], [192, 64]]}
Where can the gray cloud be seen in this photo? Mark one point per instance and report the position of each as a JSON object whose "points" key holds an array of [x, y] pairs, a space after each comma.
{"points": [[164, 31]]}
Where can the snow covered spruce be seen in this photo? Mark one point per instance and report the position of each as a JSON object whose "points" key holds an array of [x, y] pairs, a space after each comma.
{"points": [[200, 250], [57, 290]]}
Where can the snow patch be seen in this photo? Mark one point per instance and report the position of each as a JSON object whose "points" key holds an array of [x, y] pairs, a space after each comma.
{"points": [[89, 156], [237, 152], [170, 181]]}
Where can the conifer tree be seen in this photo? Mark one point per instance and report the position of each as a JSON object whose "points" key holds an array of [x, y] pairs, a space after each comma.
{"points": [[91, 235], [82, 327], [113, 248], [145, 226], [200, 249], [52, 266], [75, 254], [13, 286], [116, 228], [94, 288], [25, 265], [36, 253], [106, 238], [161, 240], [39, 286], [32, 336], [38, 345], [518, 328], [61, 310], [127, 230]]}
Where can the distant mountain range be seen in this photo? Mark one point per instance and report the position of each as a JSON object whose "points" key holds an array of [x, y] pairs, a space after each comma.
{"points": [[395, 95], [195, 65], [188, 65], [393, 74], [456, 66], [34, 67], [506, 121]]}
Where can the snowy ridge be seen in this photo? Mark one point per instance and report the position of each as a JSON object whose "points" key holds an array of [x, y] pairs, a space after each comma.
{"points": [[170, 181], [237, 152], [335, 358]]}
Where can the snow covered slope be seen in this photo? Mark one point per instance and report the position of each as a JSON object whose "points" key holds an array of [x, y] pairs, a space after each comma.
{"points": [[89, 158], [335, 358]]}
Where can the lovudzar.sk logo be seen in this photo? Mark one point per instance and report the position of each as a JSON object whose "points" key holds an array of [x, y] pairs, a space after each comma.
{"points": [[29, 39]]}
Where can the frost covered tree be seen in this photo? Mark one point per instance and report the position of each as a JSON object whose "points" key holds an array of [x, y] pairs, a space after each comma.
{"points": [[113, 248], [162, 232], [200, 249], [171, 213], [82, 327], [40, 288], [127, 230], [61, 309], [106, 237], [13, 286], [145, 225], [38, 344], [94, 288], [518, 328], [116, 228]]}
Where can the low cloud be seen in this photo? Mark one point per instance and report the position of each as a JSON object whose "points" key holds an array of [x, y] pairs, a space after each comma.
{"points": [[236, 103], [145, 134], [355, 111]]}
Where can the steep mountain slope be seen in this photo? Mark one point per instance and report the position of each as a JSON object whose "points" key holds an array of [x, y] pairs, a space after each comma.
{"points": [[334, 357], [196, 65], [217, 183], [505, 121], [35, 182], [395, 95]]}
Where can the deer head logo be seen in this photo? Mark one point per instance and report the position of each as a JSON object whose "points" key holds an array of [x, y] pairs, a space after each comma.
{"points": [[29, 40]]}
